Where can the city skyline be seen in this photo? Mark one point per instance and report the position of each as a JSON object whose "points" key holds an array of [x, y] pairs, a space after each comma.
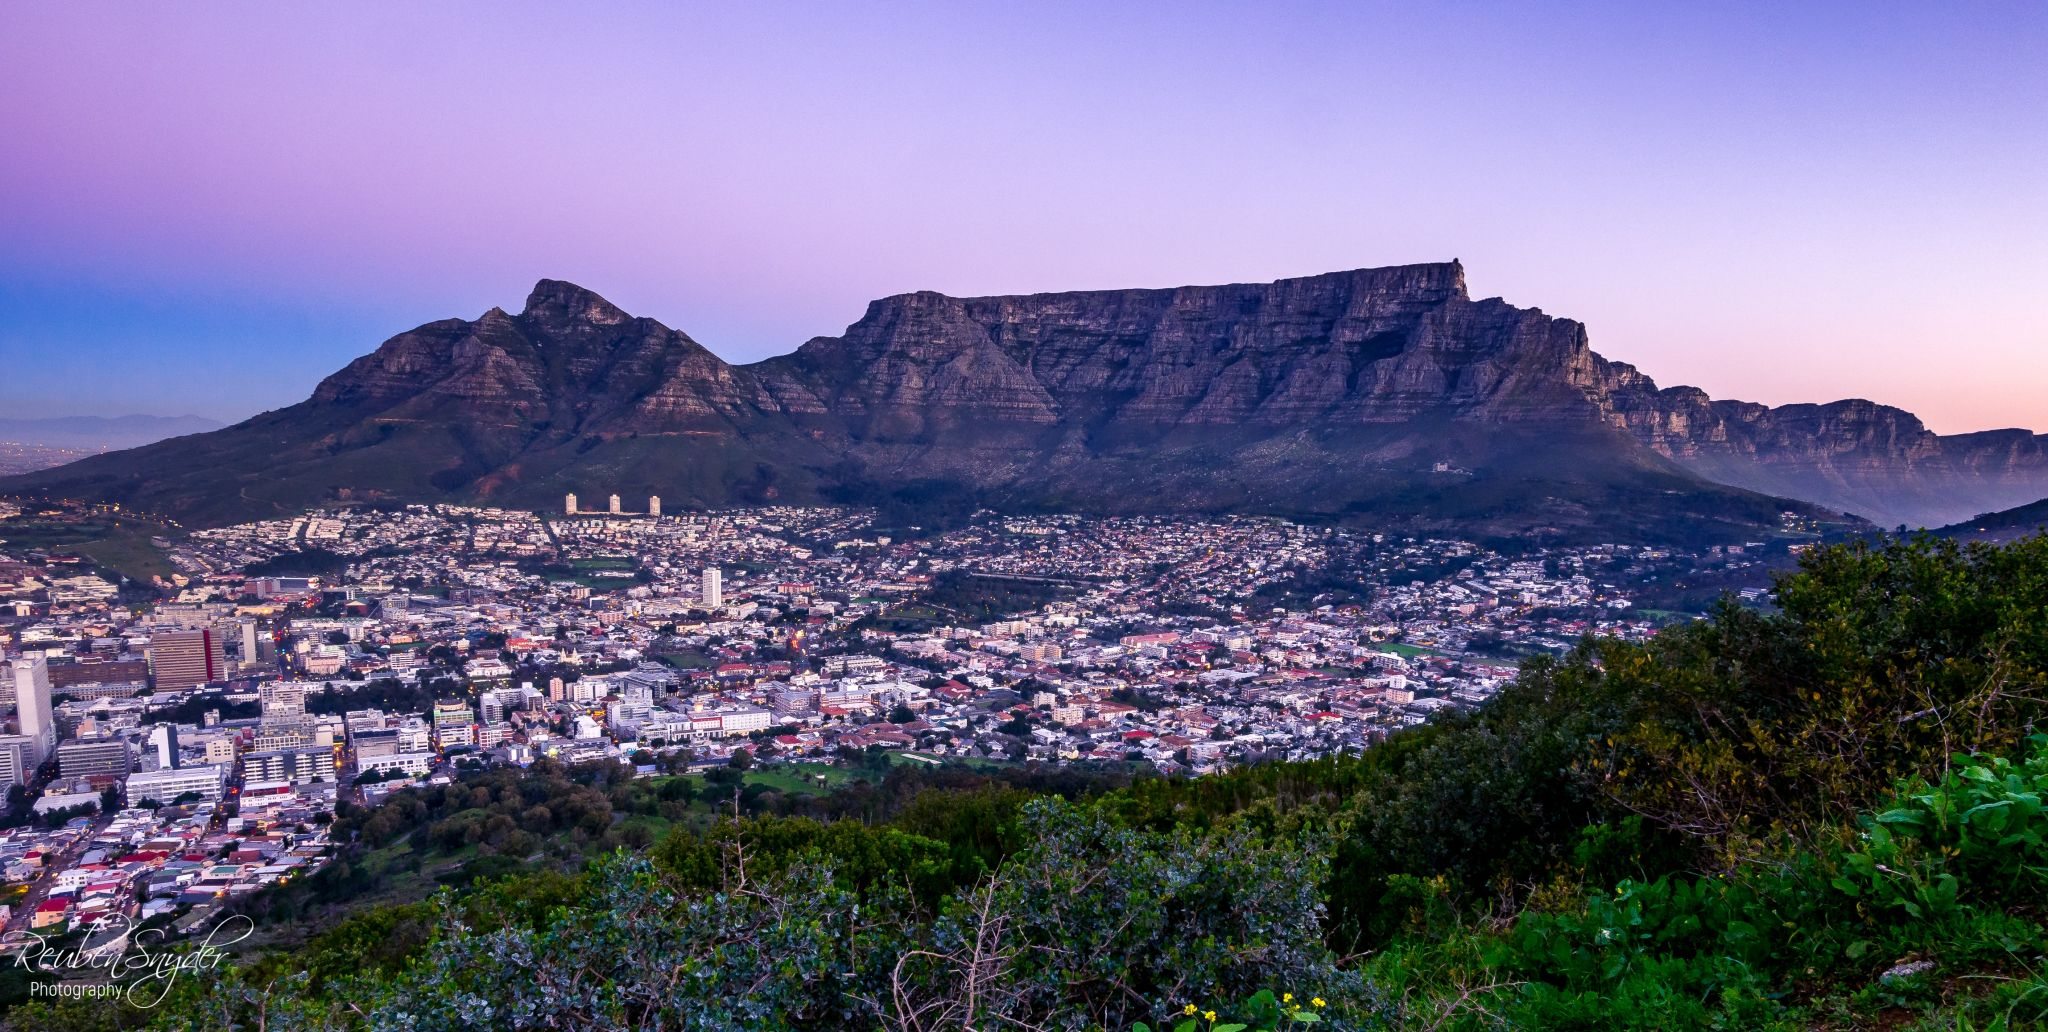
{"points": [[228, 204]]}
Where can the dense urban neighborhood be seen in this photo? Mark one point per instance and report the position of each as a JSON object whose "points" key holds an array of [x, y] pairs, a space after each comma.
{"points": [[184, 742]]}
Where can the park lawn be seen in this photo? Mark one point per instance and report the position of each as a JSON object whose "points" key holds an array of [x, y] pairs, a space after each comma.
{"points": [[803, 777], [1669, 615], [118, 543], [600, 582], [918, 759], [128, 551], [794, 778]]}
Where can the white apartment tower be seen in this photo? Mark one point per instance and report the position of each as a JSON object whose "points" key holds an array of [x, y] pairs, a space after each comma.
{"points": [[32, 707], [569, 505], [653, 505], [714, 588], [615, 505]]}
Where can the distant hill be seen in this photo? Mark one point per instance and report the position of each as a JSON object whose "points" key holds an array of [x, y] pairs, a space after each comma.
{"points": [[102, 433], [2001, 527], [1385, 396]]}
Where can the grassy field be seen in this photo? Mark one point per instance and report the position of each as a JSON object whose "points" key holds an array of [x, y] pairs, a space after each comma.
{"points": [[127, 551], [793, 778], [686, 660], [604, 562], [1666, 615], [905, 759], [1402, 648], [116, 543]]}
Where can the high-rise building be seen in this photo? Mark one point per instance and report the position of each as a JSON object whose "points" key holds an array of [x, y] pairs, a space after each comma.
{"points": [[164, 739], [569, 505], [714, 587], [32, 706], [615, 505], [17, 764], [283, 702], [452, 716], [653, 505], [252, 647], [103, 757], [185, 659], [297, 766]]}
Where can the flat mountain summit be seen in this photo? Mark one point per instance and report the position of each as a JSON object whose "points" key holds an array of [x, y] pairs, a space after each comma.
{"points": [[1384, 393]]}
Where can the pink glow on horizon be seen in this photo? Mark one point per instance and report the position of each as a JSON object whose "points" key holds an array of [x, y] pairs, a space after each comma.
{"points": [[1774, 206]]}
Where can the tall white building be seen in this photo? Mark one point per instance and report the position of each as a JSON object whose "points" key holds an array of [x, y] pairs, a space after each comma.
{"points": [[32, 705], [569, 505], [653, 505], [714, 587], [252, 650], [615, 505], [163, 739]]}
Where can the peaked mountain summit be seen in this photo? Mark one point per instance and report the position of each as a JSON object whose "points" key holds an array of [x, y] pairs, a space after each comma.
{"points": [[1386, 394]]}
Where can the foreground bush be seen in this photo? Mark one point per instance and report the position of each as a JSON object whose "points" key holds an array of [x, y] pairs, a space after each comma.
{"points": [[1090, 925]]}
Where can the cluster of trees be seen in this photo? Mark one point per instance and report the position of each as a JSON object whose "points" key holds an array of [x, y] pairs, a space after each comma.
{"points": [[386, 693], [499, 809], [1753, 821]]}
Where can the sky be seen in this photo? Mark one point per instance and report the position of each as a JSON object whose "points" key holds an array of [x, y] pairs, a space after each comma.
{"points": [[205, 208]]}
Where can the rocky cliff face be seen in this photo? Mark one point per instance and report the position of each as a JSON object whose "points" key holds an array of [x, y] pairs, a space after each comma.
{"points": [[1387, 393], [1375, 346], [1855, 456]]}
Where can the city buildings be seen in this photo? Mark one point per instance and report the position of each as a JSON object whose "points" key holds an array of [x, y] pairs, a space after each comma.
{"points": [[1188, 645], [185, 659]]}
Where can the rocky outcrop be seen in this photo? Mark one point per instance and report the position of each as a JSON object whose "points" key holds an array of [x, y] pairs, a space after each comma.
{"points": [[1374, 346], [1378, 393], [1855, 456]]}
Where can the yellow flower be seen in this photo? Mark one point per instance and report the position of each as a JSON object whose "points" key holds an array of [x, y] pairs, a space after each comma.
{"points": [[1318, 1001], [1209, 1015], [1188, 1010], [1286, 997]]}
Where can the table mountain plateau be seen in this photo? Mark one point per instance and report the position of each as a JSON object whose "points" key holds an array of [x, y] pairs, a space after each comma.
{"points": [[1379, 394]]}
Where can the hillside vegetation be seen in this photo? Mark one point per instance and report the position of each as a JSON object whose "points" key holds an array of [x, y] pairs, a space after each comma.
{"points": [[1824, 816]]}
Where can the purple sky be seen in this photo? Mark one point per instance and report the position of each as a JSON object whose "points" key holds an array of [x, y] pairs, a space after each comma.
{"points": [[207, 207]]}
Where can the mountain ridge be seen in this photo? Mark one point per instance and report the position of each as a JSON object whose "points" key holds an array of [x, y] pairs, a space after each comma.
{"points": [[1386, 393]]}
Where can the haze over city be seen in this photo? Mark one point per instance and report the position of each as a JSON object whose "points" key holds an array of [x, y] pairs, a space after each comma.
{"points": [[213, 207]]}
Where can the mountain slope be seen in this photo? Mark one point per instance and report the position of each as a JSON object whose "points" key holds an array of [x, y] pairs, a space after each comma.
{"points": [[1855, 456], [1382, 393], [493, 408], [2001, 527]]}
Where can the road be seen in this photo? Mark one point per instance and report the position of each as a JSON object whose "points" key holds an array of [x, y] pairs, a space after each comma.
{"points": [[39, 889]]}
